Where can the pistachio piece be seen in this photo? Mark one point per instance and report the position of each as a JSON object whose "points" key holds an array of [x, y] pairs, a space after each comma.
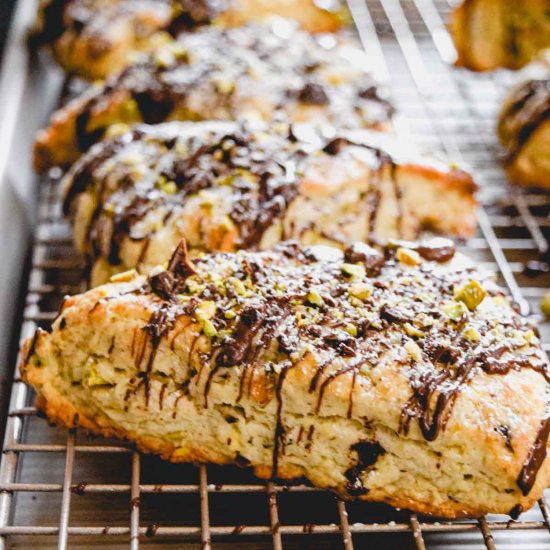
{"points": [[471, 294], [353, 271], [545, 305], [209, 329], [205, 310], [454, 310], [413, 350], [472, 334], [413, 331], [407, 256], [123, 277], [363, 291], [315, 299]]}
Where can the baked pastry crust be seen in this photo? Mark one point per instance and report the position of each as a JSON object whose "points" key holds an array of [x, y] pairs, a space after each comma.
{"points": [[94, 38], [225, 186], [385, 377], [231, 74], [524, 127], [498, 33]]}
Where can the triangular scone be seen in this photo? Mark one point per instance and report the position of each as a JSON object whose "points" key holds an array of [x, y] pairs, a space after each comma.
{"points": [[489, 34], [524, 126], [229, 74], [94, 38], [223, 187], [400, 377]]}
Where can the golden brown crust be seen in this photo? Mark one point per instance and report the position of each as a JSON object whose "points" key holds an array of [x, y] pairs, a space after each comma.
{"points": [[348, 434], [497, 33]]}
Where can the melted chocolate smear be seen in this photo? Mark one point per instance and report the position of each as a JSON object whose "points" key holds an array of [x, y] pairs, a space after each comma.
{"points": [[180, 264], [536, 457], [236, 349], [372, 259], [368, 453], [313, 93]]}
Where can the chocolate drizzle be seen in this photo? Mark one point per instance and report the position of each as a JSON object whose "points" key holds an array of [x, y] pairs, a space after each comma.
{"points": [[217, 73], [527, 111], [249, 177], [536, 457]]}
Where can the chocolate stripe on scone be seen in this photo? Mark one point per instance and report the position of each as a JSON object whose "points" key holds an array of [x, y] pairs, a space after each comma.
{"points": [[232, 74], [95, 38], [223, 187], [383, 375]]}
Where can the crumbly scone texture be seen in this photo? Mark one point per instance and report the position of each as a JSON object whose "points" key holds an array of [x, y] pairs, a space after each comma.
{"points": [[404, 376], [226, 186], [524, 126], [230, 74], [489, 34], [94, 38]]}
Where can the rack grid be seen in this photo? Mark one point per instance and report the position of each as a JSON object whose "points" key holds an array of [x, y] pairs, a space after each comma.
{"points": [[61, 489]]}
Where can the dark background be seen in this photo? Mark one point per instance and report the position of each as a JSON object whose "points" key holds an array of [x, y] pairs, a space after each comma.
{"points": [[5, 15]]}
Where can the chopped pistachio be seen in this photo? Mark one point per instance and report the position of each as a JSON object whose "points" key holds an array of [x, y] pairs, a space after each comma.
{"points": [[355, 271], [454, 310], [315, 299], [529, 336], [363, 291], [226, 180], [351, 330], [209, 329], [337, 314], [168, 187], [413, 331], [407, 256], [545, 305], [472, 294], [472, 334], [239, 287], [193, 286], [413, 350], [224, 85], [124, 276], [205, 310], [116, 130]]}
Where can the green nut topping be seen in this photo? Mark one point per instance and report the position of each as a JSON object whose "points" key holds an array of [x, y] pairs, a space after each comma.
{"points": [[413, 331], [209, 329], [354, 271], [351, 330], [168, 187], [472, 334], [315, 299], [407, 256], [455, 310], [205, 310], [363, 291], [545, 305], [471, 294]]}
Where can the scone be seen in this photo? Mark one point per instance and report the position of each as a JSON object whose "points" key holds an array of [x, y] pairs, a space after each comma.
{"points": [[245, 72], [398, 377], [94, 38], [223, 187], [500, 33], [524, 127]]}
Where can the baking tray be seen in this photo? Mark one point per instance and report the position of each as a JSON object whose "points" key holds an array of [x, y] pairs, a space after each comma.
{"points": [[61, 489]]}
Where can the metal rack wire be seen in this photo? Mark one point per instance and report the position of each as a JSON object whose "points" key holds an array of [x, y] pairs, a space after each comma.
{"points": [[62, 489]]}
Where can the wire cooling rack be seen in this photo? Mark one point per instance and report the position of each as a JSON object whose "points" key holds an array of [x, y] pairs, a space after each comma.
{"points": [[64, 490]]}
